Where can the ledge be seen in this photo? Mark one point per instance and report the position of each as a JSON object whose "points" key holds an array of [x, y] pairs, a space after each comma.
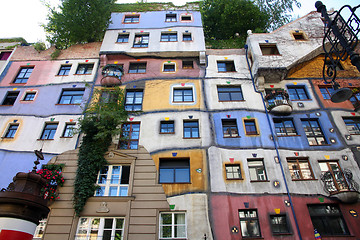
{"points": [[111, 199]]}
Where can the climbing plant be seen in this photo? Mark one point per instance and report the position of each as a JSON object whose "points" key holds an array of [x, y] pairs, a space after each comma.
{"points": [[101, 122]]}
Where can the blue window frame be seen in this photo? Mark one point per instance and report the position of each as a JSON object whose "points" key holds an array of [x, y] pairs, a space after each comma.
{"points": [[71, 96], [10, 133], [168, 37], [191, 129], [174, 170], [298, 93]]}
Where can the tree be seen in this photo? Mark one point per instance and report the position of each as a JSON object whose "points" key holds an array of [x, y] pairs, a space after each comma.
{"points": [[225, 19], [78, 21]]}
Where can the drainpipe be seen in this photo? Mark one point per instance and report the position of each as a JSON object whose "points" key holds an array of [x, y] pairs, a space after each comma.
{"points": [[275, 143]]}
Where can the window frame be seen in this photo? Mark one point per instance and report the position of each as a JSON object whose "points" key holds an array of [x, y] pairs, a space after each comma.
{"points": [[10, 98], [170, 17], [183, 93], [64, 72], [100, 227], [228, 125], [326, 94], [229, 66], [84, 69], [230, 93], [172, 225], [52, 131], [137, 67], [257, 167], [187, 64], [165, 68], [135, 18], [188, 37], [275, 226], [143, 40], [167, 123], [40, 229], [176, 166], [121, 37], [355, 124], [313, 134], [168, 37], [252, 219], [26, 94], [338, 183], [69, 130], [104, 189], [298, 96], [253, 125], [299, 172], [133, 105], [74, 97], [283, 130], [191, 129], [186, 15], [230, 171], [129, 134], [269, 49], [24, 75], [10, 131]]}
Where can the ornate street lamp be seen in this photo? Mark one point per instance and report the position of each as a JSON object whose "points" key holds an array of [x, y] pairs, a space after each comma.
{"points": [[340, 40]]}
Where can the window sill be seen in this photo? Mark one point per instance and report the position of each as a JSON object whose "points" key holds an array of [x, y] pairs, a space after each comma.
{"points": [[17, 83], [83, 74], [111, 199], [234, 179], [167, 133], [8, 138], [6, 105], [191, 138], [288, 135], [313, 179], [140, 47], [233, 137], [282, 234], [121, 42], [39, 139], [66, 137], [299, 100], [62, 104], [168, 41], [227, 72], [233, 101], [136, 73], [252, 135], [184, 102], [252, 237], [64, 75], [256, 181], [174, 182]]}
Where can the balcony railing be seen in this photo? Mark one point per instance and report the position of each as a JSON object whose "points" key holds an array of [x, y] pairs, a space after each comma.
{"points": [[278, 102], [111, 75]]}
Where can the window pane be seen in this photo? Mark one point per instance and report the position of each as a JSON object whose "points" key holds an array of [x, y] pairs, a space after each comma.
{"points": [[167, 175], [182, 175]]}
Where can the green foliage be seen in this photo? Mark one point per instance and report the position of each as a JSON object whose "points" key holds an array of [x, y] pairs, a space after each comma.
{"points": [[55, 54], [223, 19], [78, 21], [225, 44], [39, 46], [9, 40], [147, 6], [101, 123]]}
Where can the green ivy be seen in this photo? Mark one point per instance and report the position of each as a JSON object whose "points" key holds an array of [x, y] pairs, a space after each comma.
{"points": [[101, 122]]}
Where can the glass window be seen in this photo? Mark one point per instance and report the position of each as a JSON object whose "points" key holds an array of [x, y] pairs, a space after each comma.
{"points": [[187, 37], [226, 66], [326, 92], [172, 225], [69, 130], [4, 55], [141, 40], [230, 128], [167, 127], [279, 224], [71, 96], [352, 125], [49, 131], [84, 68], [183, 95], [272, 95], [230, 93], [29, 96], [332, 176], [168, 37], [123, 38], [10, 98], [269, 49], [191, 129], [23, 75], [39, 231], [355, 98], [64, 70], [91, 228], [187, 64], [297, 93], [130, 136], [132, 19], [186, 18], [174, 170], [300, 169], [257, 170], [250, 127], [313, 132], [113, 181], [327, 219], [134, 100], [249, 223], [233, 171], [284, 127], [137, 68], [169, 67], [170, 17], [10, 133]]}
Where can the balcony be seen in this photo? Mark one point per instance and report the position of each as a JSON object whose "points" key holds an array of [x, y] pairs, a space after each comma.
{"points": [[278, 102], [111, 75], [340, 185]]}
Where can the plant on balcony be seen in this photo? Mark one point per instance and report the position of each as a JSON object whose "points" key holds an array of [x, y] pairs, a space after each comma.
{"points": [[273, 94], [101, 122], [52, 174], [355, 90]]}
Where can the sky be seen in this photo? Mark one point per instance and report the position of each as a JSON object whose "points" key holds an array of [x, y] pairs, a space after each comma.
{"points": [[22, 18]]}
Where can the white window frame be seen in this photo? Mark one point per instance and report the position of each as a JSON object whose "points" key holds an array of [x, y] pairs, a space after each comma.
{"points": [[172, 225], [100, 228], [107, 185], [40, 228]]}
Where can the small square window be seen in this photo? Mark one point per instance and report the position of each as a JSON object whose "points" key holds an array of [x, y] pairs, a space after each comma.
{"points": [[169, 67], [186, 18], [233, 171], [284, 127], [132, 19], [10, 98], [249, 223], [298, 35], [230, 129], [191, 129], [269, 49], [123, 38], [168, 37], [84, 68], [250, 127], [10, 133], [352, 125], [64, 70], [167, 127], [172, 225], [183, 95], [298, 93], [174, 170], [279, 224], [137, 67], [29, 96], [257, 170], [71, 96], [187, 64], [23, 75], [69, 130], [187, 37], [141, 40], [49, 131], [170, 17], [226, 66]]}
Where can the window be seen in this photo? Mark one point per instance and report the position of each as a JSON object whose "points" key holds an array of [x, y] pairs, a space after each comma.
{"points": [[4, 55], [269, 49], [141, 40], [284, 127], [300, 169], [226, 66], [233, 171], [174, 170], [187, 64], [313, 132], [84, 69], [187, 37], [257, 170], [29, 96], [100, 228], [108, 96], [250, 127], [352, 125], [23, 75], [186, 18], [113, 181], [133, 100], [168, 37], [69, 130], [327, 219], [169, 67], [279, 224], [333, 176], [130, 133], [64, 70], [167, 127], [170, 17], [230, 129], [326, 92], [183, 95], [49, 131], [191, 129], [123, 38], [10, 98], [230, 93], [172, 225], [298, 35], [275, 95], [71, 96], [249, 223], [355, 98], [10, 133], [39, 231], [132, 19], [297, 93], [137, 68]]}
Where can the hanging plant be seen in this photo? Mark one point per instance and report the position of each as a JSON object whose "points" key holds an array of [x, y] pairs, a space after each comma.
{"points": [[52, 174], [101, 122]]}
